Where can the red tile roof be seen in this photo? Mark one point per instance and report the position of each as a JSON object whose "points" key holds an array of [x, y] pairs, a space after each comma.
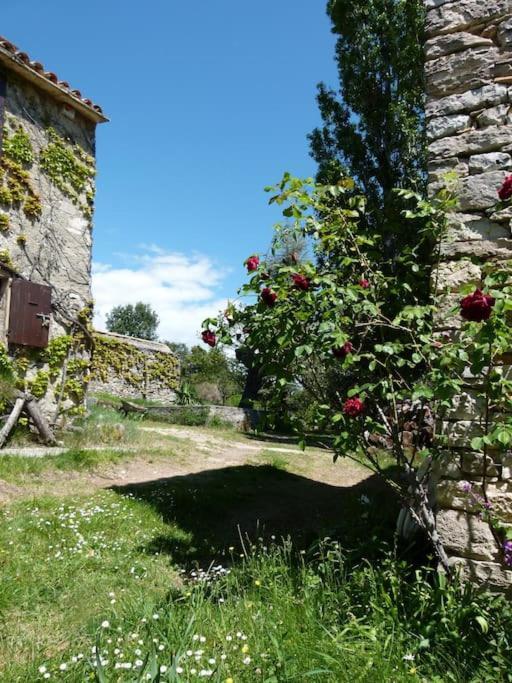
{"points": [[12, 58]]}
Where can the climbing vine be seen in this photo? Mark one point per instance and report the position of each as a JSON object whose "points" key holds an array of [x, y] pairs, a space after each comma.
{"points": [[71, 170], [128, 363], [16, 189]]}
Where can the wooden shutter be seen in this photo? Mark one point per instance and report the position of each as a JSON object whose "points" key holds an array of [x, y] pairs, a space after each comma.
{"points": [[30, 310], [3, 95]]}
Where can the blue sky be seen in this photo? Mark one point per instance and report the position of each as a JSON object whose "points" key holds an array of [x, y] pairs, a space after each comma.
{"points": [[209, 102]]}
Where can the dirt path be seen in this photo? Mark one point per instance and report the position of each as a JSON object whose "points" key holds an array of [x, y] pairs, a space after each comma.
{"points": [[191, 451]]}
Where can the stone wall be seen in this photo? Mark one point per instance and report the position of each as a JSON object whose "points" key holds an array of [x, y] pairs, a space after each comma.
{"points": [[469, 125], [47, 184], [242, 419], [134, 368]]}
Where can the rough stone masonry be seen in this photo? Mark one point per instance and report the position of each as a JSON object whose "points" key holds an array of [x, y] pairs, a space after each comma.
{"points": [[469, 126]]}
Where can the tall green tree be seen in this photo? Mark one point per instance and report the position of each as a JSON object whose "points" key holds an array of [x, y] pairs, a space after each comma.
{"points": [[373, 126], [134, 321]]}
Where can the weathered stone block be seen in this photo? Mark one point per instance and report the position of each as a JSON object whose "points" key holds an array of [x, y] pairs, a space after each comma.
{"points": [[464, 227], [472, 100], [506, 466], [479, 192], [460, 433], [466, 535], [490, 139], [483, 249], [502, 216], [442, 126], [464, 14], [459, 72], [495, 116], [492, 575], [453, 274], [504, 34], [474, 463], [465, 406], [449, 44], [438, 168], [494, 161], [447, 315]]}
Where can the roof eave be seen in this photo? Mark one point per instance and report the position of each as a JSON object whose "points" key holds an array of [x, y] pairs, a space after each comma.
{"points": [[12, 63]]}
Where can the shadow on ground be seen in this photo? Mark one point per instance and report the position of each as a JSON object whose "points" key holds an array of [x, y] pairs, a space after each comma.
{"points": [[214, 508]]}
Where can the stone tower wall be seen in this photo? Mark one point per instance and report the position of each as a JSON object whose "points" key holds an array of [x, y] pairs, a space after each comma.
{"points": [[469, 125]]}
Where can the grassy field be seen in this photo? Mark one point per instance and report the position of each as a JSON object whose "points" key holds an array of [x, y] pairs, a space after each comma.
{"points": [[223, 575]]}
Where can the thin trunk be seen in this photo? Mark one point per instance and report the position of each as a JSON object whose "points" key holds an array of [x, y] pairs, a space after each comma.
{"points": [[11, 420]]}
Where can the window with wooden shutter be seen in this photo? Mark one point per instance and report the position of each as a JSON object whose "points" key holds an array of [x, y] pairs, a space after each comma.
{"points": [[30, 314]]}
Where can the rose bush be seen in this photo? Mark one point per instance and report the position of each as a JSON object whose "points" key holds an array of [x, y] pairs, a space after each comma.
{"points": [[397, 369]]}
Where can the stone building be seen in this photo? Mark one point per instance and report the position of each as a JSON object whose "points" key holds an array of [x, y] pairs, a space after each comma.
{"points": [[469, 124], [47, 184]]}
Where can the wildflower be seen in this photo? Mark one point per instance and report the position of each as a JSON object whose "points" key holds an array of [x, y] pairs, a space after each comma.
{"points": [[163, 668], [42, 669], [353, 407], [408, 658], [229, 680], [179, 669], [245, 649], [63, 666], [507, 553], [252, 263], [465, 486], [156, 616], [105, 624], [257, 582], [246, 660], [476, 307]]}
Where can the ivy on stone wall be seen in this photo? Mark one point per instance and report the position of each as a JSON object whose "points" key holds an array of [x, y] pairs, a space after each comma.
{"points": [[16, 190], [132, 365], [71, 170]]}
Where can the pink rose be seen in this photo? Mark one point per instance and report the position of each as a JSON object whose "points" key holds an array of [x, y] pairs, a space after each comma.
{"points": [[268, 296], [300, 281], [343, 351], [364, 283], [353, 407], [505, 191], [209, 338], [252, 263], [476, 307]]}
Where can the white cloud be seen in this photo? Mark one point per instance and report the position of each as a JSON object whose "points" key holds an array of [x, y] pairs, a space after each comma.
{"points": [[181, 288]]}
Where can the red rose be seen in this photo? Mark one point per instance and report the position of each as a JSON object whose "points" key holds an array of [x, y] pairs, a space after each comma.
{"points": [[300, 281], [209, 338], [353, 407], [252, 263], [342, 351], [364, 283], [477, 306], [505, 191], [268, 296]]}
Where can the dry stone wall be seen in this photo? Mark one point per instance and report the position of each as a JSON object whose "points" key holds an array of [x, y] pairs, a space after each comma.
{"points": [[469, 126], [134, 368]]}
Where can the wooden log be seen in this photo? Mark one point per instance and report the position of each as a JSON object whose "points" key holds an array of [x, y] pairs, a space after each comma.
{"points": [[12, 420], [40, 421], [126, 407]]}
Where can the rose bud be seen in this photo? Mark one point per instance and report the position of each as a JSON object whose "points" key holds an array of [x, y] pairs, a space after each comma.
{"points": [[252, 263], [364, 283], [505, 191], [353, 407], [209, 338], [300, 281], [476, 307], [342, 351], [268, 296]]}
